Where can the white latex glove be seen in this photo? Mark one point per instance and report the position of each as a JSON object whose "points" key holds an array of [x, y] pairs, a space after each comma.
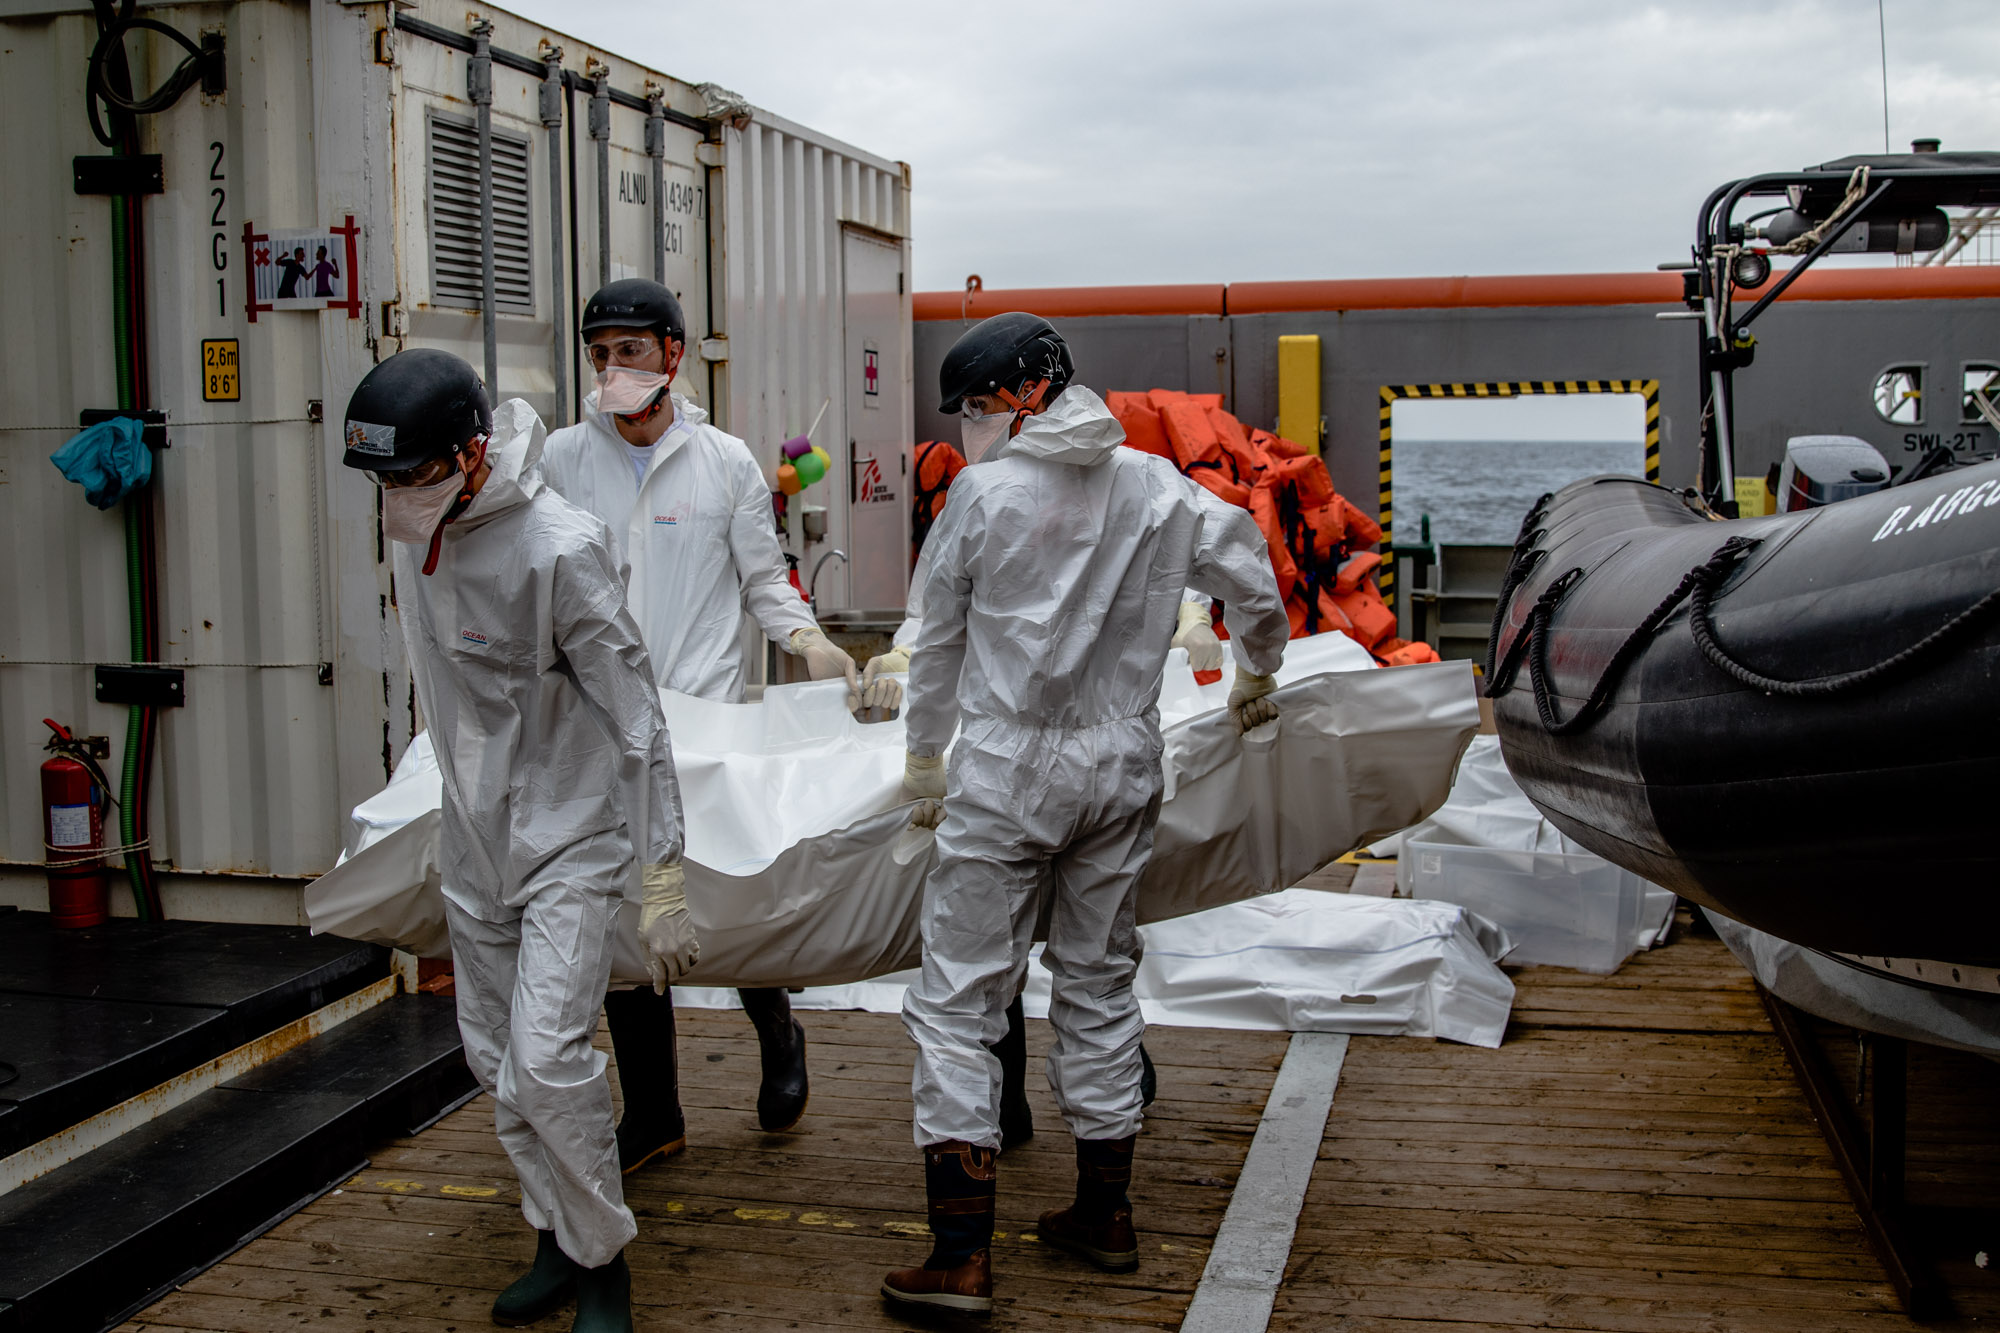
{"points": [[823, 660], [880, 689], [665, 932], [927, 814], [1247, 703], [923, 777], [1196, 633]]}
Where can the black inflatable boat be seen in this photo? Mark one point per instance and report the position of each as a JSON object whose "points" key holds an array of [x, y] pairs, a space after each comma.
{"points": [[1792, 719]]}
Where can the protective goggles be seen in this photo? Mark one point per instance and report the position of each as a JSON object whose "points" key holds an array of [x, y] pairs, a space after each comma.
{"points": [[427, 473], [620, 351]]}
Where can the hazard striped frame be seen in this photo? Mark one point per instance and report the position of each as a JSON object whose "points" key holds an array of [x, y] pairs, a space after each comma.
{"points": [[1392, 393]]}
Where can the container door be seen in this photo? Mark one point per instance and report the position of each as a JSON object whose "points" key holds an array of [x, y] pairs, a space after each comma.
{"points": [[877, 369]]}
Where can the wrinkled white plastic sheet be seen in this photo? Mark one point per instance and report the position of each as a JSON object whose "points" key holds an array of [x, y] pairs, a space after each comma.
{"points": [[1487, 808], [1296, 961], [1832, 990], [802, 870]]}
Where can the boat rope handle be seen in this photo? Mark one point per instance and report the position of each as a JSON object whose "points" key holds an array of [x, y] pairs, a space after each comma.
{"points": [[1527, 554], [1532, 643], [1697, 588], [1703, 627], [1635, 643]]}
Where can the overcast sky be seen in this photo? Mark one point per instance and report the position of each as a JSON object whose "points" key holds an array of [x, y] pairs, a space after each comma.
{"points": [[1093, 143]]}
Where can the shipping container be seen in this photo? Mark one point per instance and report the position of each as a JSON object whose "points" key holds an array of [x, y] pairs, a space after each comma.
{"points": [[318, 207]]}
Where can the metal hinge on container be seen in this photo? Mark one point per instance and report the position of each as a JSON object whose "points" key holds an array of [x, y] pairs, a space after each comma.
{"points": [[715, 348], [708, 154]]}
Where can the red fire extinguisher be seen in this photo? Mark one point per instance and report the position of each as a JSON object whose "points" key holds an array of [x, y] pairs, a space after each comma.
{"points": [[73, 797]]}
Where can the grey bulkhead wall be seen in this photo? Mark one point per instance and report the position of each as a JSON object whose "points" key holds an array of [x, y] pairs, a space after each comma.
{"points": [[1815, 369], [1236, 355], [1111, 352], [1817, 362], [1362, 350]]}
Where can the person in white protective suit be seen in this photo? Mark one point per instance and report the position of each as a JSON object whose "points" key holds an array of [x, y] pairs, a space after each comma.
{"points": [[691, 521], [560, 800], [1056, 577], [1194, 632]]}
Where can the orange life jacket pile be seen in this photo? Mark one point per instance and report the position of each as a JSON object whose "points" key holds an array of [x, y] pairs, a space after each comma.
{"points": [[1315, 536]]}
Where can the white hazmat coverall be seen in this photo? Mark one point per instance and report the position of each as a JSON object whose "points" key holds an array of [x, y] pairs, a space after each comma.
{"points": [[698, 538], [1056, 572], [558, 784]]}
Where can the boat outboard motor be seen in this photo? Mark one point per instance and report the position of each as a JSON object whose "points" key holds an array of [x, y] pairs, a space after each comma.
{"points": [[1822, 469]]}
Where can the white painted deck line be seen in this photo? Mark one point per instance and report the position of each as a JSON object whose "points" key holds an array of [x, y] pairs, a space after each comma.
{"points": [[1248, 1260]]}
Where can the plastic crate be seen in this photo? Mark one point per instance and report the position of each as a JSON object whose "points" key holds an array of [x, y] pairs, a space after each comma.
{"points": [[1560, 909]]}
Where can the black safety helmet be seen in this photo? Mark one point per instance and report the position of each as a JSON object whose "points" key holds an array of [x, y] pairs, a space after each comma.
{"points": [[635, 303], [1000, 355], [416, 406]]}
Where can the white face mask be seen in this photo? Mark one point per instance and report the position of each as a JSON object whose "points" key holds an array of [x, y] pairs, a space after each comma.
{"points": [[625, 392], [980, 435], [410, 514]]}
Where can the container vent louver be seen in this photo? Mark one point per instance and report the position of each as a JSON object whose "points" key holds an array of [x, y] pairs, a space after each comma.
{"points": [[454, 209]]}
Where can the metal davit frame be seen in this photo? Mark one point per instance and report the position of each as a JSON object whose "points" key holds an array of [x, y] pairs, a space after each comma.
{"points": [[1885, 193]]}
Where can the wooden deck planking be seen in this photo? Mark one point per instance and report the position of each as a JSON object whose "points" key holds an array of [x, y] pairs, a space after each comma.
{"points": [[752, 1231], [1635, 1158]]}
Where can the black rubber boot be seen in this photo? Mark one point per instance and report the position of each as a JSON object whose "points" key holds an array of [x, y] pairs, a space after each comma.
{"points": [[1149, 1080], [604, 1298], [1098, 1226], [540, 1291], [781, 1044], [642, 1038], [958, 1186], [1017, 1119]]}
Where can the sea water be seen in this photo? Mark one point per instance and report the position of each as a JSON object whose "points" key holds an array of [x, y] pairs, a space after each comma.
{"points": [[1476, 491]]}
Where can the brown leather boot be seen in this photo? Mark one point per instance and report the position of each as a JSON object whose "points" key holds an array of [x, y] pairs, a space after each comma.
{"points": [[958, 1180], [1098, 1226]]}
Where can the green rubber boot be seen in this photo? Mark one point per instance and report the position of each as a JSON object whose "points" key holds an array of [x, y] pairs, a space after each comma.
{"points": [[541, 1290], [604, 1298]]}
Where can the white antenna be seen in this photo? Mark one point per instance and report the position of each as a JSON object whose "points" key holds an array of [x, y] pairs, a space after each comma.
{"points": [[1882, 32]]}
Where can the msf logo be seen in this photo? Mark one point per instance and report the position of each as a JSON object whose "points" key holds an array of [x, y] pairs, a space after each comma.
{"points": [[873, 487]]}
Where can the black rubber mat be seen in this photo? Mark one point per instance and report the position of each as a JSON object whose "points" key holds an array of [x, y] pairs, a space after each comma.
{"points": [[84, 1245], [91, 1017], [183, 962], [72, 1058]]}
